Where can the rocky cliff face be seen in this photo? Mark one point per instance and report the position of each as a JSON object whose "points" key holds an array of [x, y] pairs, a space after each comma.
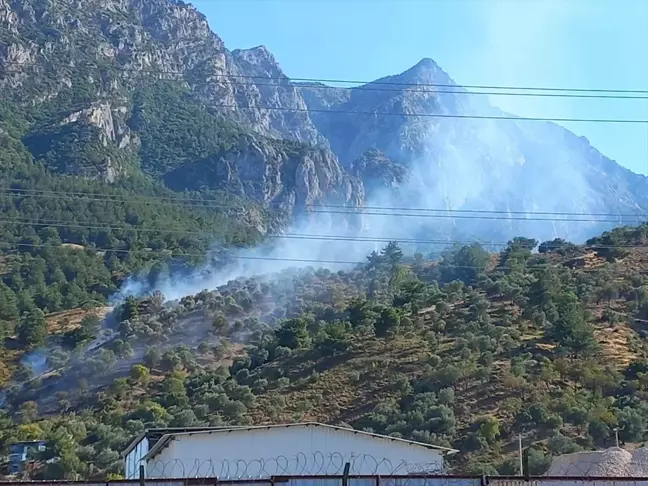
{"points": [[78, 68], [251, 69], [378, 172], [353, 131], [81, 67], [283, 175], [114, 43]]}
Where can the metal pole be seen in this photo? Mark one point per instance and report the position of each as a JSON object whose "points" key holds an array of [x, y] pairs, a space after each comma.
{"points": [[520, 454], [142, 480], [345, 474], [616, 436]]}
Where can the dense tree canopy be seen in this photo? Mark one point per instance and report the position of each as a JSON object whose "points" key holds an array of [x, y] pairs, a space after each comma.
{"points": [[276, 350]]}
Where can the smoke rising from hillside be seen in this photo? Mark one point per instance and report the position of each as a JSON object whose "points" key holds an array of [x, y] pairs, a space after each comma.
{"points": [[268, 259], [502, 166], [508, 165], [465, 183], [527, 43]]}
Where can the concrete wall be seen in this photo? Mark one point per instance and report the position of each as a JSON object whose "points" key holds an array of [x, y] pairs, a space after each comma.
{"points": [[290, 451]]}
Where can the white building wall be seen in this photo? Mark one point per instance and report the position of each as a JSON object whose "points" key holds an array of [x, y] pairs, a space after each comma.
{"points": [[133, 459], [290, 451]]}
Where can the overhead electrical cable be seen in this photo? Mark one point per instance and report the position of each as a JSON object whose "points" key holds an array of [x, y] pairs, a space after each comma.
{"points": [[315, 208], [316, 83], [439, 115], [457, 91], [440, 85], [317, 237], [227, 256]]}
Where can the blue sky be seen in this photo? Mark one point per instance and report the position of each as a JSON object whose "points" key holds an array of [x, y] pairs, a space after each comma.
{"points": [[594, 44]]}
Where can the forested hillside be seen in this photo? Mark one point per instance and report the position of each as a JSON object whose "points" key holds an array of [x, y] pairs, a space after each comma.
{"points": [[468, 352], [109, 230], [134, 146]]}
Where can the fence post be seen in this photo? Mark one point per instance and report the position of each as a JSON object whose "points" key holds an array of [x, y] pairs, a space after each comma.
{"points": [[142, 480], [345, 474], [525, 457]]}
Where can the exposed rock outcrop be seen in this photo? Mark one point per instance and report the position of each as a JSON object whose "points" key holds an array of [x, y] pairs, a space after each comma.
{"points": [[285, 176], [109, 120], [378, 172]]}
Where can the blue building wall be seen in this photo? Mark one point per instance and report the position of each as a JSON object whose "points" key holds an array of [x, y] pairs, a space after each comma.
{"points": [[133, 462], [19, 454]]}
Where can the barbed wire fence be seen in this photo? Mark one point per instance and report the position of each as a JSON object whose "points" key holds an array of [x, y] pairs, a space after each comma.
{"points": [[302, 464], [611, 467]]}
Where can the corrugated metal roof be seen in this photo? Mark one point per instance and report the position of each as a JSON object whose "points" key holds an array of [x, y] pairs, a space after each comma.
{"points": [[167, 438], [155, 434]]}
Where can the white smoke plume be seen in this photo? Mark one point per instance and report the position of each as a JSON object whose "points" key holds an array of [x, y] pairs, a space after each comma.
{"points": [[522, 41], [522, 37], [268, 259]]}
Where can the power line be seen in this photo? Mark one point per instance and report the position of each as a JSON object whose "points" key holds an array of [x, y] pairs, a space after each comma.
{"points": [[373, 210], [316, 237], [456, 116], [458, 91], [541, 266], [439, 115], [450, 216], [363, 84], [199, 255], [295, 236], [444, 91], [439, 85]]}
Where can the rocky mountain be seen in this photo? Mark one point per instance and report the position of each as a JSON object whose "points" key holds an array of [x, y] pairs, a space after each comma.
{"points": [[503, 165], [290, 176], [109, 88], [109, 46], [378, 172]]}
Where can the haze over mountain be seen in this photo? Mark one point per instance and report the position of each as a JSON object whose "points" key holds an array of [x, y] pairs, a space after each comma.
{"points": [[124, 88]]}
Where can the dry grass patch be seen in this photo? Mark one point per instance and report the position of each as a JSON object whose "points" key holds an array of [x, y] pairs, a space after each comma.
{"points": [[64, 321]]}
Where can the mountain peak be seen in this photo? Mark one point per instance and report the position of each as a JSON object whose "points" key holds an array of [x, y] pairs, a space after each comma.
{"points": [[426, 63], [426, 71]]}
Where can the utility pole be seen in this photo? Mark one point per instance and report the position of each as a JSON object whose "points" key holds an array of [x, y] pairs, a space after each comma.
{"points": [[520, 453]]}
